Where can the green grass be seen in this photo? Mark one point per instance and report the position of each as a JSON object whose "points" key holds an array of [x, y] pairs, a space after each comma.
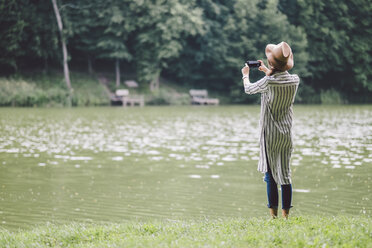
{"points": [[331, 96], [35, 90], [49, 90], [306, 231]]}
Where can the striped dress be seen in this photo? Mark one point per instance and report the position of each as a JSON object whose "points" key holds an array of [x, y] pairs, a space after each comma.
{"points": [[277, 95]]}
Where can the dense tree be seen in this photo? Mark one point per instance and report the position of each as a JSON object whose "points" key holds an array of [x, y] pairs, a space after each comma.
{"points": [[163, 29], [198, 43], [261, 24], [24, 36], [236, 32], [12, 25], [119, 21], [85, 28], [339, 35]]}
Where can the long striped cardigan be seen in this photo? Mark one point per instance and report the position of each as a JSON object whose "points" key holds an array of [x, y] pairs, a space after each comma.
{"points": [[277, 96]]}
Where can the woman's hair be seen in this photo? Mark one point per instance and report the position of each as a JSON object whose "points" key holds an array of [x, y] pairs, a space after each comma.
{"points": [[273, 69]]}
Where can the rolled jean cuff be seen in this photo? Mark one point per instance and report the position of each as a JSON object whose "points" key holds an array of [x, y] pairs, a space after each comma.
{"points": [[285, 208], [274, 207]]}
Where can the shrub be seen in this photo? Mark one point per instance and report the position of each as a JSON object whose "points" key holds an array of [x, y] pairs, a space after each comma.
{"points": [[307, 94], [20, 93], [164, 96], [50, 91], [331, 96]]}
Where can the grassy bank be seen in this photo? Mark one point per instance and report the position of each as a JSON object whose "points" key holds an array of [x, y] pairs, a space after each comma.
{"points": [[296, 232], [35, 90], [49, 90]]}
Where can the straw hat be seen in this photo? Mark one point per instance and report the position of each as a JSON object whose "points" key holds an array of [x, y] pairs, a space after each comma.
{"points": [[280, 56]]}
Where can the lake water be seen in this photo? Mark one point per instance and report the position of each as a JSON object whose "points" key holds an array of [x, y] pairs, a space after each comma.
{"points": [[115, 164]]}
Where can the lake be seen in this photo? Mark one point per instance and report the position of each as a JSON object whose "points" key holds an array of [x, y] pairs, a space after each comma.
{"points": [[115, 164]]}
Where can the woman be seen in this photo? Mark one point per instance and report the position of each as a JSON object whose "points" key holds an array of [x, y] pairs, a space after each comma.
{"points": [[278, 89]]}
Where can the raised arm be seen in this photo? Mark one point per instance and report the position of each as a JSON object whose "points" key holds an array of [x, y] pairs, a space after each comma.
{"points": [[257, 87], [253, 88]]}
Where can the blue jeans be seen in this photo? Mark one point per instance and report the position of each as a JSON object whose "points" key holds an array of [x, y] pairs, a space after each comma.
{"points": [[272, 192]]}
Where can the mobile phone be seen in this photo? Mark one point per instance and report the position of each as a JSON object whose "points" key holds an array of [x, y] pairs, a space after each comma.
{"points": [[253, 63]]}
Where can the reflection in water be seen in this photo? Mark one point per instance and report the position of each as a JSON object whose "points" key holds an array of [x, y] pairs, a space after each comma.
{"points": [[301, 190], [109, 164]]}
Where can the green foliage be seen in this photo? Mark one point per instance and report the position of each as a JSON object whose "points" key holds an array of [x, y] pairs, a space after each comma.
{"points": [[25, 37], [259, 26], [314, 231], [85, 26], [50, 91], [307, 94], [118, 22], [236, 32], [87, 91], [167, 96], [331, 96], [199, 43], [22, 93], [11, 28], [163, 29], [339, 35]]}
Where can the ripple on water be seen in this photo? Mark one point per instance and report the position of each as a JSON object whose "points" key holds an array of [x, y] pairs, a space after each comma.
{"points": [[195, 176], [191, 142], [157, 158], [351, 167], [117, 158], [301, 190], [229, 159], [202, 166], [80, 158]]}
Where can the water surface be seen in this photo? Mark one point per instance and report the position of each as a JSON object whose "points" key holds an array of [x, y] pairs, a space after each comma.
{"points": [[113, 164]]}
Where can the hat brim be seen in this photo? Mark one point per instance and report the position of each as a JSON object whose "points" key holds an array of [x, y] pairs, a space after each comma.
{"points": [[269, 54]]}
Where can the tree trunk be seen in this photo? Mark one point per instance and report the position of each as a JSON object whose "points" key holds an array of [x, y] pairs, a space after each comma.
{"points": [[64, 47], [46, 65], [155, 83], [117, 69], [90, 67]]}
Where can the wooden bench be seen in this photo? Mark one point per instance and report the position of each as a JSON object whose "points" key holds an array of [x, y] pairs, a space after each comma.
{"points": [[200, 97], [127, 99]]}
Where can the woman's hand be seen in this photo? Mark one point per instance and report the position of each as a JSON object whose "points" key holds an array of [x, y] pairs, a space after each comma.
{"points": [[263, 68], [245, 70]]}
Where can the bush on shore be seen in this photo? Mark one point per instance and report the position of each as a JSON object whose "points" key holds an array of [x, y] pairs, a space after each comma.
{"points": [[42, 90], [50, 91], [22, 93], [310, 231]]}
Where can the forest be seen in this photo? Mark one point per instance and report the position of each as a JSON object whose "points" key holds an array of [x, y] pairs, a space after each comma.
{"points": [[192, 43]]}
